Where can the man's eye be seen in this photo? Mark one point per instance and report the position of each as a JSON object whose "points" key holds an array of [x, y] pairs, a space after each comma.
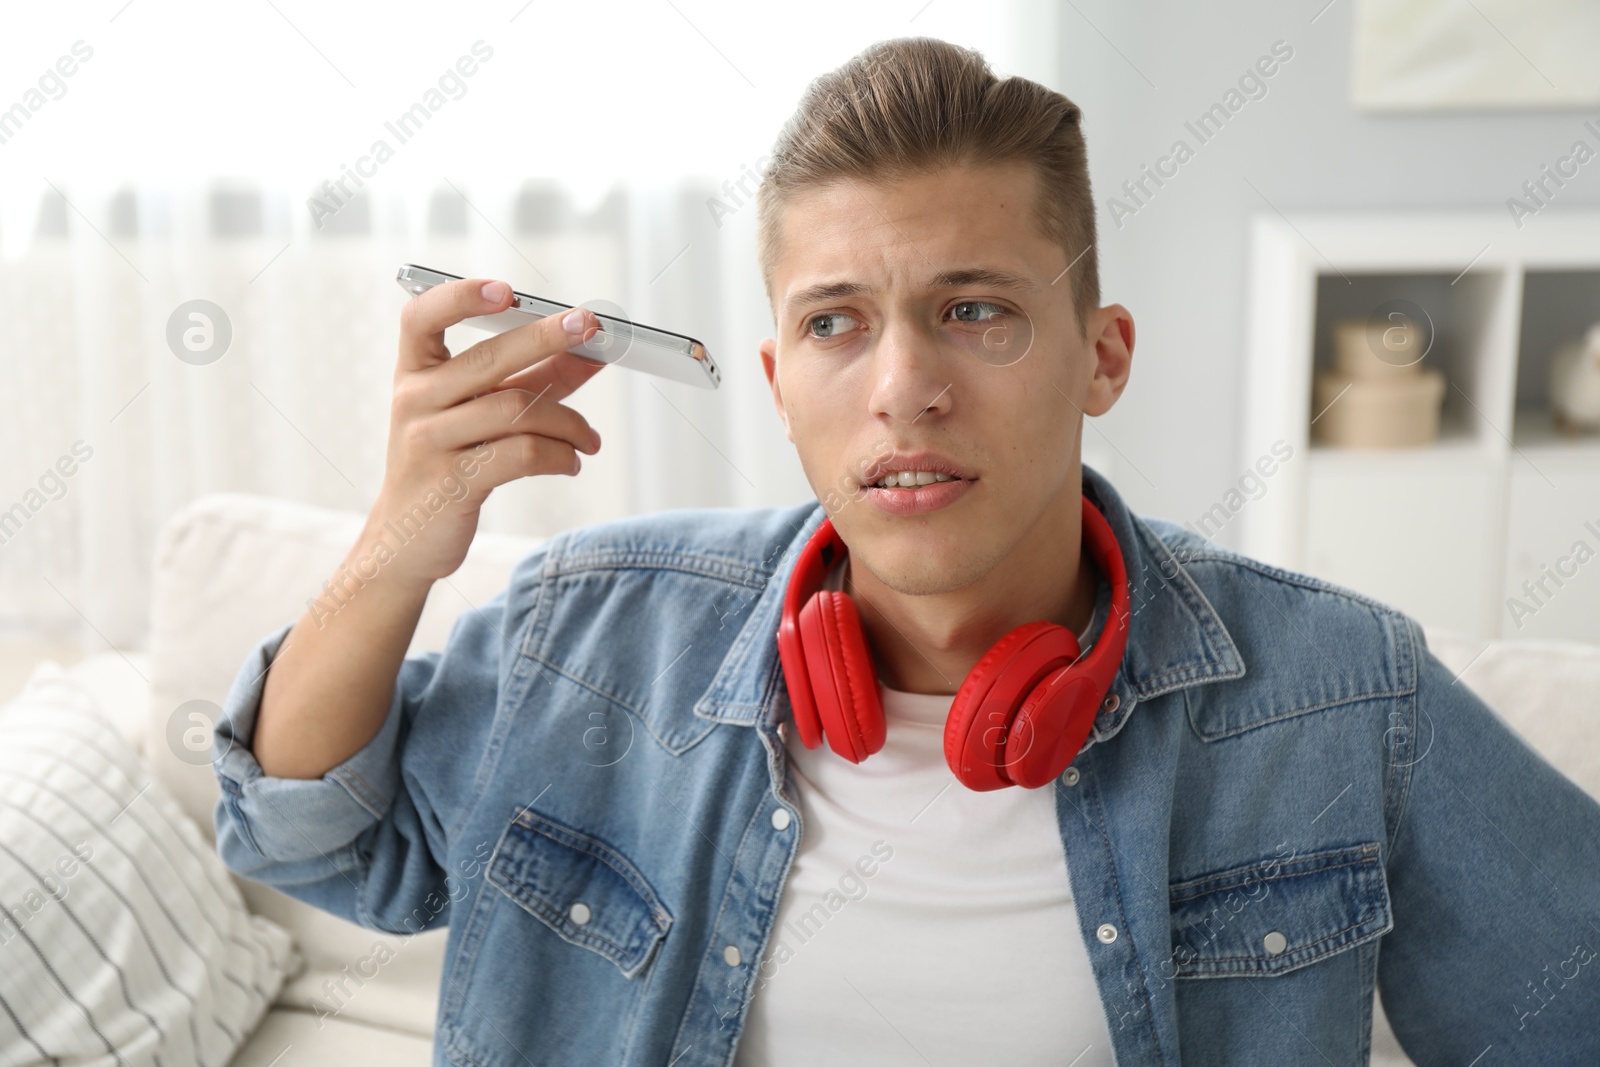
{"points": [[811, 325], [968, 308]]}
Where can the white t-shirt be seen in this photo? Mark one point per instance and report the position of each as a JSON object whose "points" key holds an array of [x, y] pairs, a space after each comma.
{"points": [[923, 922]]}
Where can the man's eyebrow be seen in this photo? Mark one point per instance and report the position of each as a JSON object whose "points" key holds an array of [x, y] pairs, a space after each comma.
{"points": [[822, 292], [991, 277]]}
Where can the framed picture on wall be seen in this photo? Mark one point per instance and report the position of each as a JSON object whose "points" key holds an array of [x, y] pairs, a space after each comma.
{"points": [[1428, 55]]}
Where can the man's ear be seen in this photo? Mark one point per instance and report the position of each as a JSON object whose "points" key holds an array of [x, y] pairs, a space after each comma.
{"points": [[1111, 332], [769, 363]]}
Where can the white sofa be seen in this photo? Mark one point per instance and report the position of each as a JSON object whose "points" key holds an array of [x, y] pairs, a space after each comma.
{"points": [[231, 567]]}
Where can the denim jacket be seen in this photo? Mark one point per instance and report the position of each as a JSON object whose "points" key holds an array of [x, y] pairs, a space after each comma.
{"points": [[1289, 800]]}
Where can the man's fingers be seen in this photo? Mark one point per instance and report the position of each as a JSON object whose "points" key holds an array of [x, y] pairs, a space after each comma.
{"points": [[479, 369], [557, 377], [424, 317], [523, 455], [503, 413]]}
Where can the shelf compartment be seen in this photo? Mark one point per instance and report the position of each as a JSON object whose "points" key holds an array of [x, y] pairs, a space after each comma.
{"points": [[1557, 306], [1456, 316]]}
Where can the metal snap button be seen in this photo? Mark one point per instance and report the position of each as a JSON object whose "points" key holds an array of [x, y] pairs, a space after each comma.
{"points": [[730, 955], [1274, 943], [1111, 701], [579, 913], [1107, 933], [1069, 776], [780, 819]]}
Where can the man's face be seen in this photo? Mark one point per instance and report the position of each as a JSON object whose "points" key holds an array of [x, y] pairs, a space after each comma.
{"points": [[992, 378]]}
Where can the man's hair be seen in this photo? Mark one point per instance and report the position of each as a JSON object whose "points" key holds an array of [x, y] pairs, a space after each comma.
{"points": [[912, 105]]}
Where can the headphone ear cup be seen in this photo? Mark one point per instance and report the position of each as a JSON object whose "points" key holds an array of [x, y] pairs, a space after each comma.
{"points": [[1050, 728], [980, 719], [844, 684]]}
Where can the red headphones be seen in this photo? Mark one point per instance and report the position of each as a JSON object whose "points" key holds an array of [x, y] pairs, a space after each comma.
{"points": [[1019, 718]]}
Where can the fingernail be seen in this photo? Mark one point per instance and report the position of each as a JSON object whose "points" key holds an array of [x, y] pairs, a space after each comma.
{"points": [[577, 464], [495, 292], [574, 322]]}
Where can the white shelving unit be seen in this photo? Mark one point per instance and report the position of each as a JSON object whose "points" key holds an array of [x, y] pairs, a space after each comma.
{"points": [[1449, 531]]}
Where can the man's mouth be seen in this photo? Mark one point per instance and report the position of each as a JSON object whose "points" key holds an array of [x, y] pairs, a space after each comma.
{"points": [[912, 479]]}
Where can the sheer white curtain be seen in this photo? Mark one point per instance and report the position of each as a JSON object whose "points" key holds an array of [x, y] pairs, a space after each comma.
{"points": [[107, 231]]}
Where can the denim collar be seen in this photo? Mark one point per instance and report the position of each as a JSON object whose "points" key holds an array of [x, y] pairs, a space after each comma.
{"points": [[1175, 637]]}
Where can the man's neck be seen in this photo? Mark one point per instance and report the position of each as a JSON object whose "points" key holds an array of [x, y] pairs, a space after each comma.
{"points": [[928, 644]]}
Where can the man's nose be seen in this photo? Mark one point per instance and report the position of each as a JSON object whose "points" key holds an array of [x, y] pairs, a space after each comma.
{"points": [[911, 376]]}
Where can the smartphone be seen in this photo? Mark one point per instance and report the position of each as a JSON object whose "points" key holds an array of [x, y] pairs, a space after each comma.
{"points": [[627, 344]]}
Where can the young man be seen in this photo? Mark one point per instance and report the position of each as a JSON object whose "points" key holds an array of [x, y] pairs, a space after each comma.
{"points": [[1282, 797]]}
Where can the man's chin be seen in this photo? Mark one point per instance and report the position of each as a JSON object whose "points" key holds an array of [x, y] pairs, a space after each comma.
{"points": [[916, 561]]}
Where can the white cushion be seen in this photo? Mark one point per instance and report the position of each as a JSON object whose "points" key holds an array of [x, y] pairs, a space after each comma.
{"points": [[230, 568], [122, 928], [323, 1041], [119, 682]]}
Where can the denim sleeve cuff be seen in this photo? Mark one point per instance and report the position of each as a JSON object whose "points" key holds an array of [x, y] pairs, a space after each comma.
{"points": [[288, 819]]}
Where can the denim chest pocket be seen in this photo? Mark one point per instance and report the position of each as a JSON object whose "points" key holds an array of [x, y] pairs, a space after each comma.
{"points": [[584, 890], [1278, 915]]}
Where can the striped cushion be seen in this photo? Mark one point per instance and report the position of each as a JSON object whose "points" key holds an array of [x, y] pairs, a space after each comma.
{"points": [[122, 937]]}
